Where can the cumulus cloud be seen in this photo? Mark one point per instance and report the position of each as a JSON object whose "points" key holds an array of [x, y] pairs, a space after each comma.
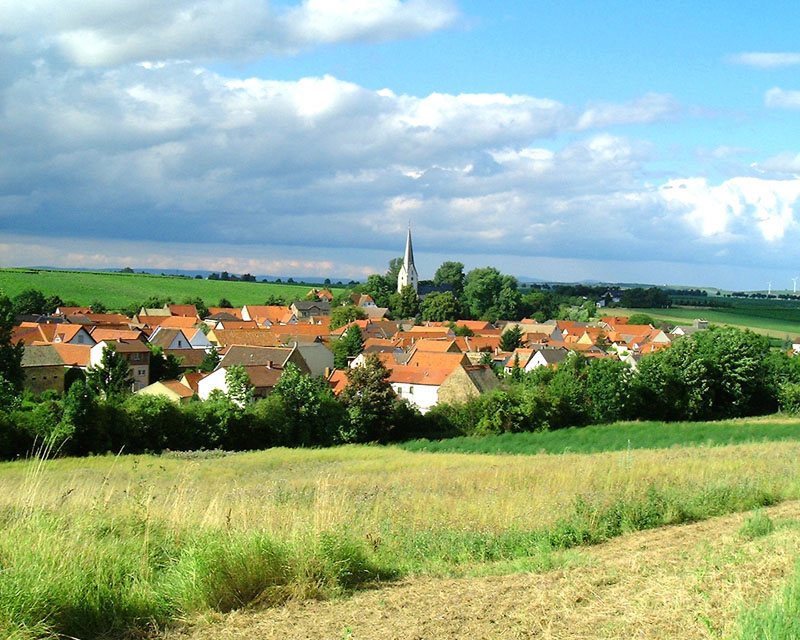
{"points": [[778, 98], [96, 33], [786, 162], [736, 208], [765, 60]]}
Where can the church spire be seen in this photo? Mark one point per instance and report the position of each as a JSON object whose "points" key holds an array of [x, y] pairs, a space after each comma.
{"points": [[408, 272]]}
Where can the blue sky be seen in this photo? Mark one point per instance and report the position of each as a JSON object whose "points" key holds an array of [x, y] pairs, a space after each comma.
{"points": [[652, 142]]}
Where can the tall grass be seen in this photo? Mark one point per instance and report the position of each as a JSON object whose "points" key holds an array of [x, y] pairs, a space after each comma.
{"points": [[619, 437], [113, 545], [776, 619]]}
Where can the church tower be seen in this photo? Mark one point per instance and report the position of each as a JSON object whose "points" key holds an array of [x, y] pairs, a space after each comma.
{"points": [[408, 272]]}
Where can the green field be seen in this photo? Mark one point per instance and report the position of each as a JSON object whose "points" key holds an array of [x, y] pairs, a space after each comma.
{"points": [[115, 546], [118, 290], [773, 321], [619, 437]]}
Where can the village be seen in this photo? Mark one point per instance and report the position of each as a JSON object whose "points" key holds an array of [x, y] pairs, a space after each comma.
{"points": [[428, 362]]}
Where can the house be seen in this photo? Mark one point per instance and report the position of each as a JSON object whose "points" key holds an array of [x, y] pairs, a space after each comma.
{"points": [[187, 310], [307, 308], [264, 356], [320, 294], [262, 377], [188, 358], [169, 339], [172, 390], [530, 359], [318, 358], [228, 311], [269, 315], [253, 337], [72, 334], [362, 300], [424, 387], [43, 369]]}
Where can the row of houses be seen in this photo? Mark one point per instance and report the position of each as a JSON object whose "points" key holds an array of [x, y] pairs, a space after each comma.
{"points": [[428, 364]]}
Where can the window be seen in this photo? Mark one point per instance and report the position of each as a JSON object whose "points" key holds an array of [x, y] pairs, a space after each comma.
{"points": [[137, 356]]}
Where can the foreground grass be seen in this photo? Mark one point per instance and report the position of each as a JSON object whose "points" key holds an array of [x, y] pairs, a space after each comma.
{"points": [[621, 436], [107, 546], [117, 290]]}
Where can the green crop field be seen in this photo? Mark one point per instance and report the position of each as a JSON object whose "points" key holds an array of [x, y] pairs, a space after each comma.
{"points": [[619, 437], [773, 321], [118, 546], [117, 290]]}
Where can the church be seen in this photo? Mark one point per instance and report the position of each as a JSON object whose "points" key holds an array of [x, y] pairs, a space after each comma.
{"points": [[408, 272]]}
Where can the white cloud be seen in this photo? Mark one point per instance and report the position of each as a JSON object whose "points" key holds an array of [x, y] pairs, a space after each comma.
{"points": [[651, 107], [96, 33], [736, 208], [786, 162], [764, 60], [778, 98]]}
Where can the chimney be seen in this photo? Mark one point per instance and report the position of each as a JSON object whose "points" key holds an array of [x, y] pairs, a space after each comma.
{"points": [[270, 364], [327, 372]]}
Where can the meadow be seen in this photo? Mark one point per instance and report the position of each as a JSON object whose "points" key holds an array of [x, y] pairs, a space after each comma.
{"points": [[619, 436], [121, 544], [118, 290], [774, 318]]}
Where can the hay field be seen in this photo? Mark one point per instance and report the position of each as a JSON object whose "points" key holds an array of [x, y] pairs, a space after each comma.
{"points": [[113, 544]]}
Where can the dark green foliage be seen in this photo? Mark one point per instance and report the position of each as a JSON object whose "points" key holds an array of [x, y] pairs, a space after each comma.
{"points": [[652, 298], [490, 295], [225, 303], [112, 377], [10, 354], [30, 301], [210, 361], [163, 366], [370, 402], [340, 316], [348, 346], [511, 339], [451, 273], [539, 306], [641, 318], [379, 288], [312, 414], [404, 304], [240, 389], [440, 307]]}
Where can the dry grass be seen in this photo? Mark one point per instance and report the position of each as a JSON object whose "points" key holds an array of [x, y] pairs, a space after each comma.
{"points": [[370, 489], [690, 581]]}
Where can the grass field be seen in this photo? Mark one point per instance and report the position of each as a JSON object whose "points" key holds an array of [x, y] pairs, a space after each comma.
{"points": [[117, 290], [113, 544], [619, 437], [775, 322]]}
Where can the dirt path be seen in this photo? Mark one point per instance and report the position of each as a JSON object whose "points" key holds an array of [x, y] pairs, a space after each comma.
{"points": [[676, 582]]}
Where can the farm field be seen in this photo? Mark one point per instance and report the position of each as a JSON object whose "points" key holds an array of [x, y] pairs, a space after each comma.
{"points": [[710, 579], [619, 437], [775, 322], [117, 544], [117, 290]]}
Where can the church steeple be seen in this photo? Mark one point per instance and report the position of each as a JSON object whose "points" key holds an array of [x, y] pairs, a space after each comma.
{"points": [[408, 272]]}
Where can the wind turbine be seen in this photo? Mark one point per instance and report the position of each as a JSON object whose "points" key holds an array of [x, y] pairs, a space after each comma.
{"points": [[769, 288], [794, 280]]}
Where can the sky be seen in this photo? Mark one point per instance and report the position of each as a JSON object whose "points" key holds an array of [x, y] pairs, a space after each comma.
{"points": [[562, 140]]}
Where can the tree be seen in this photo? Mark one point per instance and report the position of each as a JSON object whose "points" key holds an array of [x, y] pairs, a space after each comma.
{"points": [[10, 354], [163, 366], [210, 361], [511, 339], [439, 307], [240, 388], [405, 304], [379, 288], [99, 307], [393, 271], [607, 388], [225, 303], [340, 316], [30, 302], [641, 318], [451, 273], [348, 346], [199, 304], [538, 305], [313, 415], [487, 293], [112, 377], [370, 400]]}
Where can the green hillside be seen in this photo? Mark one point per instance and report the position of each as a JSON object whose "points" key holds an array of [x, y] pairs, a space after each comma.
{"points": [[117, 290]]}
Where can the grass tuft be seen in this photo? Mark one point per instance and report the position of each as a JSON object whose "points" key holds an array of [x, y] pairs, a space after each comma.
{"points": [[757, 526]]}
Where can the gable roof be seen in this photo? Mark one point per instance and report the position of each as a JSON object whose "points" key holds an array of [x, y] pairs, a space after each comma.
{"points": [[237, 312], [165, 337], [253, 337], [249, 355], [188, 310], [74, 355], [44, 355]]}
